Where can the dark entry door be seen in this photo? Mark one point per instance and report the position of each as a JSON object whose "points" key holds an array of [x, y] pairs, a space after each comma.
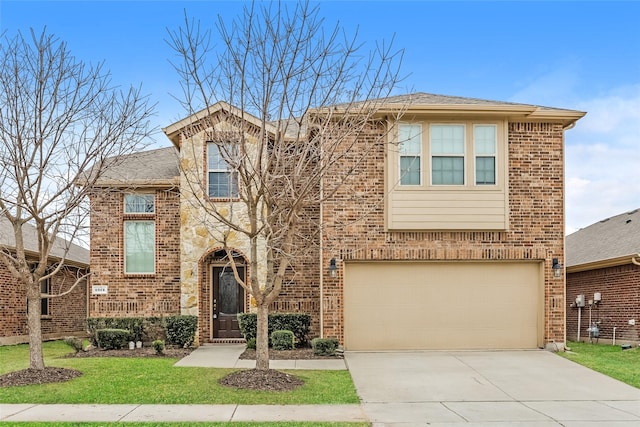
{"points": [[228, 301]]}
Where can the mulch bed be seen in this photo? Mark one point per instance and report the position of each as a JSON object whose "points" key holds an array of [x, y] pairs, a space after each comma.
{"points": [[265, 380], [38, 376], [297, 354]]}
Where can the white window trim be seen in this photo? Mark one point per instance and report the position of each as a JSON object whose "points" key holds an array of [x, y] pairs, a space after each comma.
{"points": [[124, 246], [420, 155], [228, 170], [139, 213], [464, 155], [496, 169]]}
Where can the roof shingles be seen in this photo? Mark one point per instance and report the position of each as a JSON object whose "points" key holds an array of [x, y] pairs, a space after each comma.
{"points": [[610, 238]]}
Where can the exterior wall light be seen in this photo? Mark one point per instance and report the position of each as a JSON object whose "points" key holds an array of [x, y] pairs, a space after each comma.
{"points": [[333, 268], [557, 269]]}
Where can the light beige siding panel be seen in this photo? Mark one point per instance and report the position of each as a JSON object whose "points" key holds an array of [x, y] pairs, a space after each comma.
{"points": [[465, 210], [461, 305]]}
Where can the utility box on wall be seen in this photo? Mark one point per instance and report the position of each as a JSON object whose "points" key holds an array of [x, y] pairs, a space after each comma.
{"points": [[580, 300]]}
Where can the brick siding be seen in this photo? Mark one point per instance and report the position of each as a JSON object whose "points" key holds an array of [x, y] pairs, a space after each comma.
{"points": [[620, 290], [67, 314], [149, 295], [353, 221]]}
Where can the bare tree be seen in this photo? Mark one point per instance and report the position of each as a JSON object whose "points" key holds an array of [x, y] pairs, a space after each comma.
{"points": [[294, 98], [59, 119]]}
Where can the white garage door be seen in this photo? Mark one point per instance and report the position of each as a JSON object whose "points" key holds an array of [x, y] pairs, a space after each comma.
{"points": [[455, 305]]}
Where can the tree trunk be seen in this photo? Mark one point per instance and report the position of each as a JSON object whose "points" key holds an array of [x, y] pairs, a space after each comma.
{"points": [[36, 358], [262, 338]]}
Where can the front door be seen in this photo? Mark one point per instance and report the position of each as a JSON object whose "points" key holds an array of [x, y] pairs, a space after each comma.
{"points": [[228, 301]]}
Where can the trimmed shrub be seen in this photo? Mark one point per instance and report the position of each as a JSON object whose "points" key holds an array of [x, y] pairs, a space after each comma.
{"points": [[135, 326], [251, 343], [74, 342], [298, 323], [110, 339], [324, 346], [181, 330], [282, 340], [158, 346]]}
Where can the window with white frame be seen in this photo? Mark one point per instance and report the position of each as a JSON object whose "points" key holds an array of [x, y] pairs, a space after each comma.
{"points": [[461, 154], [139, 204], [447, 144], [222, 179], [139, 231], [485, 147], [410, 148], [139, 247]]}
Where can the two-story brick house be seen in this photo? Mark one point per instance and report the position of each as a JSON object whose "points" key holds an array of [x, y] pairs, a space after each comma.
{"points": [[446, 239]]}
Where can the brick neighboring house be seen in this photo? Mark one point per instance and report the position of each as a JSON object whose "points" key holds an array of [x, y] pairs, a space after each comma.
{"points": [[604, 258], [458, 255], [61, 316]]}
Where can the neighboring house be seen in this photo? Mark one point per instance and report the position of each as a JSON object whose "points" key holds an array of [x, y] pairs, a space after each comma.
{"points": [[459, 255], [61, 316], [603, 261]]}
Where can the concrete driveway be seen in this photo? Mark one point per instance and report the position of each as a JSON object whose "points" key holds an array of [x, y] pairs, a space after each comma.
{"points": [[488, 388]]}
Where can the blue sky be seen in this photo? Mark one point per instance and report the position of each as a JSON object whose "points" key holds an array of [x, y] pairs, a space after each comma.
{"points": [[577, 55]]}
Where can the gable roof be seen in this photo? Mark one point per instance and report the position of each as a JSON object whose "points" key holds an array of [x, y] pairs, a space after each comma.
{"points": [[612, 241], [415, 103], [76, 255], [151, 168]]}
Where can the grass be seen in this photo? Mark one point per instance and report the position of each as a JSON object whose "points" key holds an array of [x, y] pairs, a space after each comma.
{"points": [[156, 380], [623, 365], [190, 424]]}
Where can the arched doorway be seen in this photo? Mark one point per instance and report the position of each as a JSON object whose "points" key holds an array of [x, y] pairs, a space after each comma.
{"points": [[226, 297]]}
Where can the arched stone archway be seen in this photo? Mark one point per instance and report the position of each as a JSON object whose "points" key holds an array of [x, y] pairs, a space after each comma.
{"points": [[220, 296]]}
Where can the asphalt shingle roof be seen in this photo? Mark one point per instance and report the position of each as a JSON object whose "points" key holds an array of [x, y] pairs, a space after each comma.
{"points": [[76, 254], [145, 167], [610, 238]]}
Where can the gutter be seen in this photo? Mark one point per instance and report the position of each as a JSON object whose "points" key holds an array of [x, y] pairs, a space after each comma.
{"points": [[605, 263]]}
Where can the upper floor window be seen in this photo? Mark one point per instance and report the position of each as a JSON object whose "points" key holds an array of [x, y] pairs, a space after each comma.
{"points": [[485, 146], [458, 154], [139, 204], [222, 179], [447, 154], [410, 146]]}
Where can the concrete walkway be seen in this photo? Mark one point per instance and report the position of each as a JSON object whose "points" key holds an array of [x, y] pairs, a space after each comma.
{"points": [[179, 413], [227, 356]]}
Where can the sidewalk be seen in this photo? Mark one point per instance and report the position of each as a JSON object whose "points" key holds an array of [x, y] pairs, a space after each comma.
{"points": [[180, 413], [211, 356]]}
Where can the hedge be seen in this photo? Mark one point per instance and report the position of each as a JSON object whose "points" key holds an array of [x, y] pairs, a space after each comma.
{"points": [[298, 323], [112, 339], [177, 330]]}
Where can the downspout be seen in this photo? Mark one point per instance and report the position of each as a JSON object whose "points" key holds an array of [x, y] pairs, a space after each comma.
{"points": [[636, 259], [321, 212]]}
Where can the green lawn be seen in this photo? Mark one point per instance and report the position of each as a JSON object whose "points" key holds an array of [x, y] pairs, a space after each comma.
{"points": [[190, 424], [623, 365], [156, 380]]}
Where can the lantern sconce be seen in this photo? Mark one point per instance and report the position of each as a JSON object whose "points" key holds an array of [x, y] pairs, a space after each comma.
{"points": [[333, 268], [557, 269]]}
